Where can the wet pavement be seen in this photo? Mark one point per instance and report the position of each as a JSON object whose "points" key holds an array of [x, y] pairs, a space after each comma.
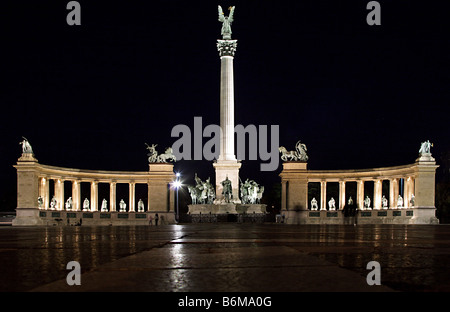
{"points": [[226, 257]]}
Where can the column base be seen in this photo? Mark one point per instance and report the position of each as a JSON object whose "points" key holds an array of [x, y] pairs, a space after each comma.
{"points": [[27, 217]]}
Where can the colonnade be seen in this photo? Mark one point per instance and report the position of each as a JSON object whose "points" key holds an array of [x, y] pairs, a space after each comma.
{"points": [[416, 180], [376, 202], [77, 201], [38, 184]]}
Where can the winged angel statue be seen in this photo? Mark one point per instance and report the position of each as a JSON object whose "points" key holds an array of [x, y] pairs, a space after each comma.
{"points": [[226, 22]]}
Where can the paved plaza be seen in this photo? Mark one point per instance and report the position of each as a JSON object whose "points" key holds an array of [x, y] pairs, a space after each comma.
{"points": [[226, 257]]}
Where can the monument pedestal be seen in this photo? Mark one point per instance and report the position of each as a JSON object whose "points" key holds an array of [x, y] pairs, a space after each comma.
{"points": [[230, 169], [227, 208], [212, 208], [27, 211]]}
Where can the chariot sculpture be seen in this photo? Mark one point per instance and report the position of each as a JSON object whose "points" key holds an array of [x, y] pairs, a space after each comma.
{"points": [[298, 155]]}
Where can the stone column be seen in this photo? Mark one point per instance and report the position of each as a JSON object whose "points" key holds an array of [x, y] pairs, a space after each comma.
{"points": [[323, 195], [227, 49], [112, 196], [424, 190], [131, 206], [377, 190], [360, 194], [341, 194], [406, 192], [27, 211], [76, 195], [227, 165], [94, 196], [59, 194], [396, 193], [43, 187], [392, 199], [283, 195]]}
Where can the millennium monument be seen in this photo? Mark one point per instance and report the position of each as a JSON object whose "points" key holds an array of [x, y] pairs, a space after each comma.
{"points": [[49, 195], [227, 167], [230, 196]]}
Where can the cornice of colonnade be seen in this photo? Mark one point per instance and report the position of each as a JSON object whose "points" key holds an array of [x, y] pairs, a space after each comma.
{"points": [[104, 176], [290, 172]]}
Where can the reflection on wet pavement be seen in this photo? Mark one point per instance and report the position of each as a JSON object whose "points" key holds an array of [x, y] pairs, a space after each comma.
{"points": [[226, 257]]}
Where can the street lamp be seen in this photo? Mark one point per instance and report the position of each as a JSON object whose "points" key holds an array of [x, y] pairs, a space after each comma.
{"points": [[177, 185]]}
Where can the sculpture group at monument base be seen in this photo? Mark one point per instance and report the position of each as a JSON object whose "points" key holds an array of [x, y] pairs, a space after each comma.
{"points": [[416, 215]]}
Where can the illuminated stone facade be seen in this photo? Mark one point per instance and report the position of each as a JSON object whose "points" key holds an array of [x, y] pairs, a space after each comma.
{"points": [[416, 183], [33, 183]]}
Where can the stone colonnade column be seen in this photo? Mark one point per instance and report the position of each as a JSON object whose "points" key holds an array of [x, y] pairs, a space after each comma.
{"points": [[59, 194], [112, 196], [341, 194], [44, 191], [323, 195], [360, 194], [409, 189], [94, 196], [76, 195], [392, 183], [132, 192], [283, 195], [377, 190]]}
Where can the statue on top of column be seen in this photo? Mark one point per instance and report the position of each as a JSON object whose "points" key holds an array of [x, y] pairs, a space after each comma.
{"points": [[162, 158], [425, 148], [226, 22], [26, 147], [298, 155]]}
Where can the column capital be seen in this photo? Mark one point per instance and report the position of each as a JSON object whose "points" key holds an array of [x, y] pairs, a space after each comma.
{"points": [[226, 47]]}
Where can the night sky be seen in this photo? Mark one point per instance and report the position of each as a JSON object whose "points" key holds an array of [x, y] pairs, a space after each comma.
{"points": [[90, 96]]}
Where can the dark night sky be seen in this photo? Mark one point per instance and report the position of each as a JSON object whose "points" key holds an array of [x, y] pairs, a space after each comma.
{"points": [[90, 96]]}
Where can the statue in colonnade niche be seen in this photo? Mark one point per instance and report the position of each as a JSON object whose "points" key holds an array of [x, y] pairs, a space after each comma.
{"points": [[104, 205], [412, 201], [314, 204], [69, 203], [53, 203], [350, 201], [86, 204], [40, 202], [332, 204], [122, 206], [367, 202], [141, 206], [400, 201], [384, 202]]}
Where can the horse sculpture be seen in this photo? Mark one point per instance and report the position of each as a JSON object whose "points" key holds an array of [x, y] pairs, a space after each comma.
{"points": [[298, 155], [168, 155], [195, 194]]}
